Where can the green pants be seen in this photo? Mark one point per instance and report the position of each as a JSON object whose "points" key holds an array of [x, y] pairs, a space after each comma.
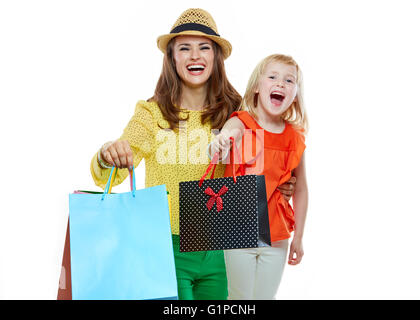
{"points": [[201, 275]]}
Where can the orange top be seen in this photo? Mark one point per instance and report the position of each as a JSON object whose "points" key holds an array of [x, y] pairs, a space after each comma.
{"points": [[282, 154]]}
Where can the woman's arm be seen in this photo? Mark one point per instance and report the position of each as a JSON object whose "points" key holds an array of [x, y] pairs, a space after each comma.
{"points": [[300, 206], [135, 143]]}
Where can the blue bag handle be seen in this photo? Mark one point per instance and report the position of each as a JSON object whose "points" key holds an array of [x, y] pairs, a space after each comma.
{"points": [[111, 179]]}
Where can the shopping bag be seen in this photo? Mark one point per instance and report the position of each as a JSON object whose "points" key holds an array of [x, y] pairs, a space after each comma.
{"points": [[121, 245], [64, 285], [223, 213]]}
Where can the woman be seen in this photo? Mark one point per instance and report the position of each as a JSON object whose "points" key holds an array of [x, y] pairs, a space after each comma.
{"points": [[171, 132]]}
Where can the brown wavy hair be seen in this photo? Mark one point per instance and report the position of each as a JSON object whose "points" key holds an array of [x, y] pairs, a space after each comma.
{"points": [[222, 98]]}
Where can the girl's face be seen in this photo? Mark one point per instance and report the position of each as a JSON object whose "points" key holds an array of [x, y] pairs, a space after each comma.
{"points": [[194, 59], [277, 88]]}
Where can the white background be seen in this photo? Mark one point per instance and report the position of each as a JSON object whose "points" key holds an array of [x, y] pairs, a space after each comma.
{"points": [[71, 73]]}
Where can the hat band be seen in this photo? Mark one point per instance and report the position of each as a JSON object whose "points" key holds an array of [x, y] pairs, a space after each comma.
{"points": [[194, 27]]}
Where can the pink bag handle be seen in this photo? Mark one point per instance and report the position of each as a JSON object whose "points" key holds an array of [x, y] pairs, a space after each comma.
{"points": [[214, 161]]}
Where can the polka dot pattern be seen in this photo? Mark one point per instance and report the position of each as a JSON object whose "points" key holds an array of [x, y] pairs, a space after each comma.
{"points": [[235, 226]]}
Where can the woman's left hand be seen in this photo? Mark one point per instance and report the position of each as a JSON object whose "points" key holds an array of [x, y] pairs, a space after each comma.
{"points": [[288, 188], [296, 252]]}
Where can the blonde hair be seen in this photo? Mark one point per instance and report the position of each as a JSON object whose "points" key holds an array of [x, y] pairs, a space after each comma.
{"points": [[295, 114]]}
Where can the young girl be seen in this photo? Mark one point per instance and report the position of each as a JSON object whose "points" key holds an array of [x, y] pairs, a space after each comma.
{"points": [[272, 106]]}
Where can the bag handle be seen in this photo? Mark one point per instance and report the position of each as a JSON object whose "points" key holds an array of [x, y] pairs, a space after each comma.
{"points": [[111, 180], [235, 150], [214, 162], [212, 165]]}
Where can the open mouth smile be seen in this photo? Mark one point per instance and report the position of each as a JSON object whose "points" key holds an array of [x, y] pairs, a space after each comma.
{"points": [[276, 98], [196, 69]]}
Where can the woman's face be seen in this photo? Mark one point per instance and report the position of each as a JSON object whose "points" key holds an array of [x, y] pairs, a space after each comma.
{"points": [[194, 59]]}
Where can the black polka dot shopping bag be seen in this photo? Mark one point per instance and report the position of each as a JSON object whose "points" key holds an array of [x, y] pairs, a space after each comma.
{"points": [[223, 213]]}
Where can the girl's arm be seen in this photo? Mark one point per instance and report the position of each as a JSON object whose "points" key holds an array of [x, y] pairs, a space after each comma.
{"points": [[300, 206], [232, 128]]}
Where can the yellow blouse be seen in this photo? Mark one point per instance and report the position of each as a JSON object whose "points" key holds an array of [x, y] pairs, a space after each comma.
{"points": [[171, 156]]}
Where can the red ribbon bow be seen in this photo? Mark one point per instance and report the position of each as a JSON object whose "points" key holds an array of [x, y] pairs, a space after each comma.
{"points": [[215, 197]]}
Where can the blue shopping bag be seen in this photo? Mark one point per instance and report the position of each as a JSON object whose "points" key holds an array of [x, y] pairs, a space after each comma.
{"points": [[121, 245]]}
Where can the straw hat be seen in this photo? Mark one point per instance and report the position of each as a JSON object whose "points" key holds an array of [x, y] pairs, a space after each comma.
{"points": [[195, 22]]}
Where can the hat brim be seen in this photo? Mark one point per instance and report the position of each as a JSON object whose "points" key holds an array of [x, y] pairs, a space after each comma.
{"points": [[162, 41]]}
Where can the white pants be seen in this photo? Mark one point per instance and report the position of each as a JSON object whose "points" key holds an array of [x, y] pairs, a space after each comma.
{"points": [[255, 273]]}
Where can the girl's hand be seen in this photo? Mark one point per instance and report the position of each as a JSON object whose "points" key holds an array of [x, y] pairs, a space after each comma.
{"points": [[233, 128], [118, 154], [296, 252], [288, 188], [221, 144]]}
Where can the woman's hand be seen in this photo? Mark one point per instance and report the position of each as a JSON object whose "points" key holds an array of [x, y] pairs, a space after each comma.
{"points": [[296, 252], [117, 153], [288, 188]]}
